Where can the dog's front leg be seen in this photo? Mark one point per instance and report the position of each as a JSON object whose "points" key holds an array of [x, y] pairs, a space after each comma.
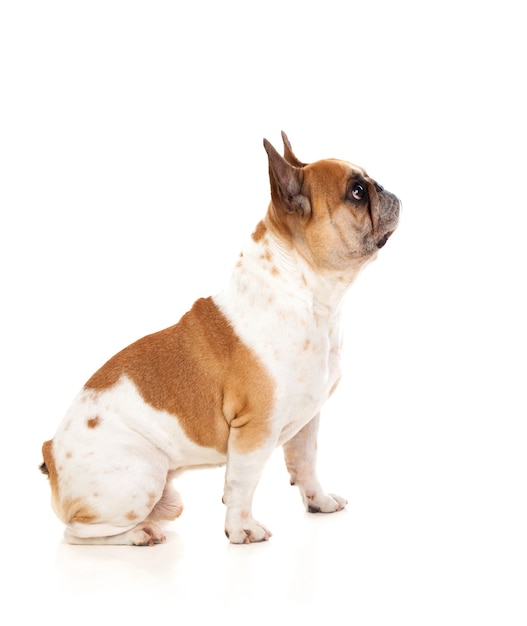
{"points": [[241, 478], [300, 454]]}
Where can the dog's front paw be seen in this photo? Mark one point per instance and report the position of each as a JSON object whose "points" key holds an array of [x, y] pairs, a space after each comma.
{"points": [[324, 503], [248, 531]]}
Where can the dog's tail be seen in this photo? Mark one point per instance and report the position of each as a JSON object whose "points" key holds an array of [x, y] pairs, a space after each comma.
{"points": [[48, 468]]}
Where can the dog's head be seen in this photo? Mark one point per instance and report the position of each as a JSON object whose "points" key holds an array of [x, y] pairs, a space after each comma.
{"points": [[332, 211]]}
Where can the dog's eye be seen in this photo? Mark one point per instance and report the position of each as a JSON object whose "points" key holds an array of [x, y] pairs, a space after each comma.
{"points": [[357, 191]]}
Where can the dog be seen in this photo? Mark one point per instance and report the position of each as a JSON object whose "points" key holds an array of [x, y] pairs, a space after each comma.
{"points": [[240, 374]]}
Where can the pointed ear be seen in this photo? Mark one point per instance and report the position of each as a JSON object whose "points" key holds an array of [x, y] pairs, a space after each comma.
{"points": [[289, 155], [286, 183]]}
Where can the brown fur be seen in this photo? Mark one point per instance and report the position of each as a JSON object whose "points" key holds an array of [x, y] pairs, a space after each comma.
{"points": [[77, 511], [259, 232], [310, 233], [200, 371], [48, 468]]}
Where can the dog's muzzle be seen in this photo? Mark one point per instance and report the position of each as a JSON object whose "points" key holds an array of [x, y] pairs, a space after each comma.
{"points": [[389, 216]]}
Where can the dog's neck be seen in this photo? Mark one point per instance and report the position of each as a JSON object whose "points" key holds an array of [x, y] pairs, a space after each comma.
{"points": [[270, 263]]}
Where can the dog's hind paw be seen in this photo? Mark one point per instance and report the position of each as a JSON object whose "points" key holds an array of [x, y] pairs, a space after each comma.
{"points": [[146, 534]]}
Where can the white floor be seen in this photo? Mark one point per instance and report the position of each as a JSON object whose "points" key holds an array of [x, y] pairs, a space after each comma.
{"points": [[132, 171]]}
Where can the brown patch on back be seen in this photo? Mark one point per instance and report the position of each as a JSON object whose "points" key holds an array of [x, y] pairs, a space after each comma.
{"points": [[132, 516], [93, 422], [202, 372]]}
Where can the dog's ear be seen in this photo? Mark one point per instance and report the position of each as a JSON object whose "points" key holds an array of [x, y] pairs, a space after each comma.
{"points": [[289, 155], [286, 183]]}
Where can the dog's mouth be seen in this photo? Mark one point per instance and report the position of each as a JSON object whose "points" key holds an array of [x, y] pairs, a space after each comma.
{"points": [[382, 241]]}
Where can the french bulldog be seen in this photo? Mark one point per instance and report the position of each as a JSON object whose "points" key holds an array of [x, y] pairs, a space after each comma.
{"points": [[241, 373]]}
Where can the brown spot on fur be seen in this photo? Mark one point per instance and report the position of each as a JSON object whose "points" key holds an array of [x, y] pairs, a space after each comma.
{"points": [[93, 422], [131, 515], [77, 511], [306, 345], [202, 372], [151, 500], [275, 271], [260, 231], [266, 256], [69, 455]]}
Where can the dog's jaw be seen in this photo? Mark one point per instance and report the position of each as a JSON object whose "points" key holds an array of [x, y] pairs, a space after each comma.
{"points": [[384, 239]]}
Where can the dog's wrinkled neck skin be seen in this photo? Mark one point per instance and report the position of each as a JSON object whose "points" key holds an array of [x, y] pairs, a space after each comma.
{"points": [[278, 260]]}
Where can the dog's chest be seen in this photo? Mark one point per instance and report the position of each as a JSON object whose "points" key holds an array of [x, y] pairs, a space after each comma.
{"points": [[306, 368], [298, 344]]}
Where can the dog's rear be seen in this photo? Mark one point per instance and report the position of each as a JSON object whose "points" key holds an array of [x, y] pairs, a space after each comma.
{"points": [[69, 511], [78, 516]]}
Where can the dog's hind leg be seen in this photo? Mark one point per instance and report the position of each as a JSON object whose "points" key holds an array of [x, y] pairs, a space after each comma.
{"points": [[124, 510], [169, 506], [146, 533]]}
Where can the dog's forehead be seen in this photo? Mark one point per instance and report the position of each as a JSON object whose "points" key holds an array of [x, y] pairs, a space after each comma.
{"points": [[352, 168], [337, 169]]}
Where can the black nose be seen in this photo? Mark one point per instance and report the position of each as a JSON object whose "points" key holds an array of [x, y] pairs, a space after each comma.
{"points": [[379, 187]]}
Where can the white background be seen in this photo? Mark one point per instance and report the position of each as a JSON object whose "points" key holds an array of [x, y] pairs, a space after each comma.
{"points": [[132, 171]]}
